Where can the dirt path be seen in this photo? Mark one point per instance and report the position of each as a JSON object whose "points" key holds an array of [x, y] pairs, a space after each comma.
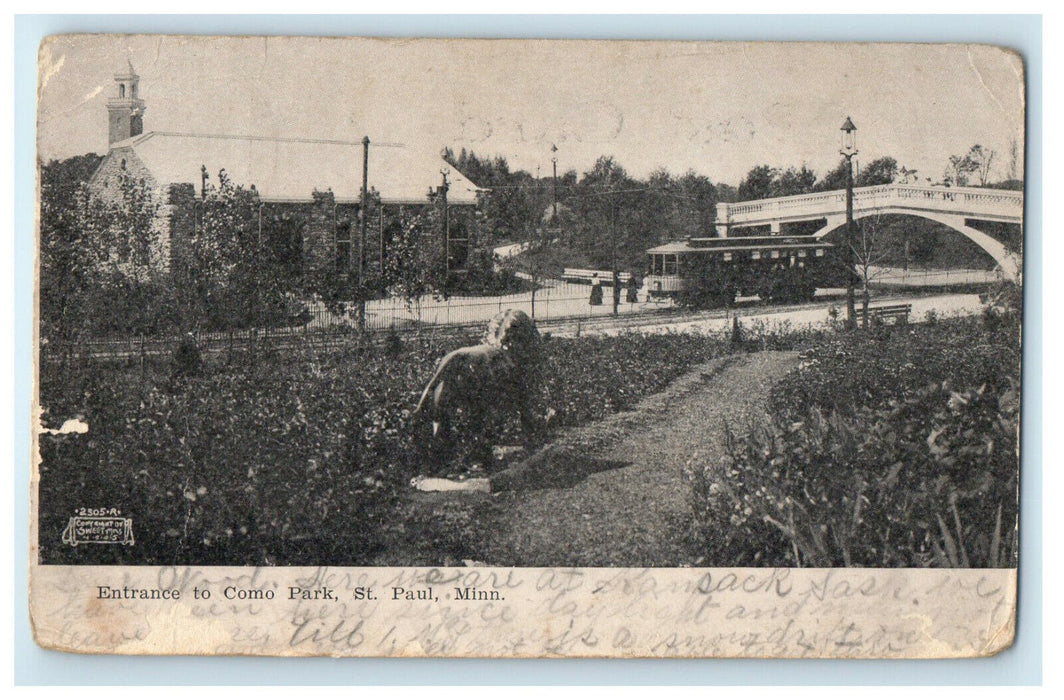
{"points": [[613, 493]]}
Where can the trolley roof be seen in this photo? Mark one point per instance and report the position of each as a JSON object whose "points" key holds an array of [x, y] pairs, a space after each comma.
{"points": [[742, 243]]}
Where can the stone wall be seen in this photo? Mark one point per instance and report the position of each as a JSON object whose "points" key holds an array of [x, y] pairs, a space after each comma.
{"points": [[105, 184]]}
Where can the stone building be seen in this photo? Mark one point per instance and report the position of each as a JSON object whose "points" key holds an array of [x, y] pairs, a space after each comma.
{"points": [[287, 173]]}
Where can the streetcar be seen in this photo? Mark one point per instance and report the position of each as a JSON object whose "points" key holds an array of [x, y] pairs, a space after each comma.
{"points": [[713, 271]]}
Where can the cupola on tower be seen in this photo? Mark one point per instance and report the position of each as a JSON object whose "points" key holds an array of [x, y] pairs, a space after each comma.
{"points": [[125, 111]]}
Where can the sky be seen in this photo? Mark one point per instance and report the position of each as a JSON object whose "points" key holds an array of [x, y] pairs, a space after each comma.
{"points": [[716, 108]]}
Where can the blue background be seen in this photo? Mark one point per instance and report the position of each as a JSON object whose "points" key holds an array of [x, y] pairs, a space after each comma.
{"points": [[1021, 664]]}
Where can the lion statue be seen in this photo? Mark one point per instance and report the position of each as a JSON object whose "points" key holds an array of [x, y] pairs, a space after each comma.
{"points": [[500, 375]]}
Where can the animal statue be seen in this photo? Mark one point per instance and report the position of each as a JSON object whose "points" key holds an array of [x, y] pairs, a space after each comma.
{"points": [[497, 376]]}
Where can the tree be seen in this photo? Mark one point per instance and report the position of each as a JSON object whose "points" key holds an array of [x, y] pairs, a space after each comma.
{"points": [[121, 239], [1014, 159], [224, 278], [764, 181], [881, 171], [868, 253], [538, 239], [982, 158], [66, 271], [414, 262], [124, 221], [960, 168], [726, 193], [506, 207], [697, 210], [835, 179], [759, 183], [676, 207], [793, 181]]}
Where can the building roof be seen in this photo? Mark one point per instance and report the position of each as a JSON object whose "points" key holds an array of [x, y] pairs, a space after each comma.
{"points": [[288, 169], [738, 243], [670, 248]]}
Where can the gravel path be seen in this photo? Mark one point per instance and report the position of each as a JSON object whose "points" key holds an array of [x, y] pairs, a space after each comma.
{"points": [[613, 493]]}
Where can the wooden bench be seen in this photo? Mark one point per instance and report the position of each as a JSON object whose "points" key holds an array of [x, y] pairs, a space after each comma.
{"points": [[880, 313], [605, 277]]}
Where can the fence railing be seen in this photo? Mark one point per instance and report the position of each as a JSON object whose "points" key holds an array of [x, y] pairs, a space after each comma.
{"points": [[325, 323], [548, 305], [913, 277], [564, 303]]}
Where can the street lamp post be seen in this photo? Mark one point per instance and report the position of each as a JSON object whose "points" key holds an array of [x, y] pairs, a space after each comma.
{"points": [[613, 257], [848, 151], [362, 212]]}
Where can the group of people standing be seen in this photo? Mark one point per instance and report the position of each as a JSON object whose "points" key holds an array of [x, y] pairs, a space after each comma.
{"points": [[631, 295]]}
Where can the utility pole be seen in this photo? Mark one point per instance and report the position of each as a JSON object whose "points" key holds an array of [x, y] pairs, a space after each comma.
{"points": [[363, 218], [613, 241], [613, 262], [554, 162], [362, 221], [446, 223]]}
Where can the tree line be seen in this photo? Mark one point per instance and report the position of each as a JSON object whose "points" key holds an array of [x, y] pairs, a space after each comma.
{"points": [[606, 218], [245, 263]]}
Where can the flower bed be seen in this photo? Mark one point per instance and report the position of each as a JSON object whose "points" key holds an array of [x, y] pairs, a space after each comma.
{"points": [[298, 457], [895, 448]]}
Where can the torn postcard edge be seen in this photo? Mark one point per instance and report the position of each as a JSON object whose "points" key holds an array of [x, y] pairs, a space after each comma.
{"points": [[261, 411]]}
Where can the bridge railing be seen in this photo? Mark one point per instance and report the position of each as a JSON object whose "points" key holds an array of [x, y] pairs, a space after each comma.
{"points": [[952, 200], [963, 199]]}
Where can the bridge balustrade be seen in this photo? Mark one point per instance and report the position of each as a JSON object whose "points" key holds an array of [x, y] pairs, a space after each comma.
{"points": [[1000, 205]]}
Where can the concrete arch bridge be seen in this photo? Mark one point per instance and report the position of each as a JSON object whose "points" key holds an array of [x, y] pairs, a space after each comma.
{"points": [[954, 207]]}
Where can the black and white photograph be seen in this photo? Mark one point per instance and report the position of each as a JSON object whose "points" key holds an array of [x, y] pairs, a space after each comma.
{"points": [[513, 305]]}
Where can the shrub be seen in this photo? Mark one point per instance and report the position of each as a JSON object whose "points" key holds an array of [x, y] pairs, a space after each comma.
{"points": [[872, 459], [299, 458]]}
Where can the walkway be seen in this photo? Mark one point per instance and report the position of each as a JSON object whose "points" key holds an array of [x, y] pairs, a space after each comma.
{"points": [[613, 493]]}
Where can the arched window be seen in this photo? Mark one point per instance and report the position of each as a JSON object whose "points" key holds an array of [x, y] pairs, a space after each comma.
{"points": [[121, 89]]}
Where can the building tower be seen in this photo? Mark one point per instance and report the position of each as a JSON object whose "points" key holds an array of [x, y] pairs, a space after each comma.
{"points": [[125, 111]]}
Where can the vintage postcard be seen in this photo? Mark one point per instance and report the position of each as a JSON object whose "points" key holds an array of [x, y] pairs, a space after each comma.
{"points": [[512, 348]]}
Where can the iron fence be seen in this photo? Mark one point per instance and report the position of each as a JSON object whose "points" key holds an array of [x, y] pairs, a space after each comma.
{"points": [[326, 324], [933, 278]]}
